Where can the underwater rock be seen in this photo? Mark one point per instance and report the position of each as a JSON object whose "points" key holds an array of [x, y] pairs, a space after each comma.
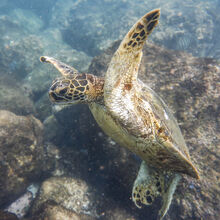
{"points": [[21, 205], [19, 55], [189, 85], [185, 25], [92, 26], [7, 216], [51, 211], [22, 155], [70, 193], [14, 98], [19, 49], [190, 26], [72, 197]]}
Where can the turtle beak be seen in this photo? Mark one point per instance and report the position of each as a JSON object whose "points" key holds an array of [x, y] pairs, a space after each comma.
{"points": [[57, 93], [54, 98], [58, 100]]}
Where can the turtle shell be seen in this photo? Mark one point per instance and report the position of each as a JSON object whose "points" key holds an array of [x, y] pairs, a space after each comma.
{"points": [[169, 150]]}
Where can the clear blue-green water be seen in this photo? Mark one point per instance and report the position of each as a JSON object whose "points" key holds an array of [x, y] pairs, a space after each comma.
{"points": [[76, 31]]}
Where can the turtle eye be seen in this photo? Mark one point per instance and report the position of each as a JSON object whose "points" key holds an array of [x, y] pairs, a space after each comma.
{"points": [[62, 91]]}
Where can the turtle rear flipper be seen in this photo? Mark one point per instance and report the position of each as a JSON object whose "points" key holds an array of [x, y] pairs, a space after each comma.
{"points": [[148, 185], [168, 195], [151, 183]]}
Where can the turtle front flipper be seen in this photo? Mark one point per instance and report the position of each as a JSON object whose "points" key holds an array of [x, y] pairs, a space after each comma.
{"points": [[64, 69], [123, 68], [136, 37]]}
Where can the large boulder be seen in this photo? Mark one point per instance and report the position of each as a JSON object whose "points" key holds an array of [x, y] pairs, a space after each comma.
{"points": [[22, 155], [7, 216], [51, 211], [70, 193]]}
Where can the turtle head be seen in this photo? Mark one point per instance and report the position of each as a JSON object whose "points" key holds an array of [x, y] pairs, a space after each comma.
{"points": [[73, 87], [76, 88]]}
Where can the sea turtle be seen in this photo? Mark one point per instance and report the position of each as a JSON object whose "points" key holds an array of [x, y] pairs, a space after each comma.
{"points": [[132, 114]]}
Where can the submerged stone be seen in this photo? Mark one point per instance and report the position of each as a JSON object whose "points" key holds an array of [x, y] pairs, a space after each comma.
{"points": [[68, 194], [22, 155]]}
